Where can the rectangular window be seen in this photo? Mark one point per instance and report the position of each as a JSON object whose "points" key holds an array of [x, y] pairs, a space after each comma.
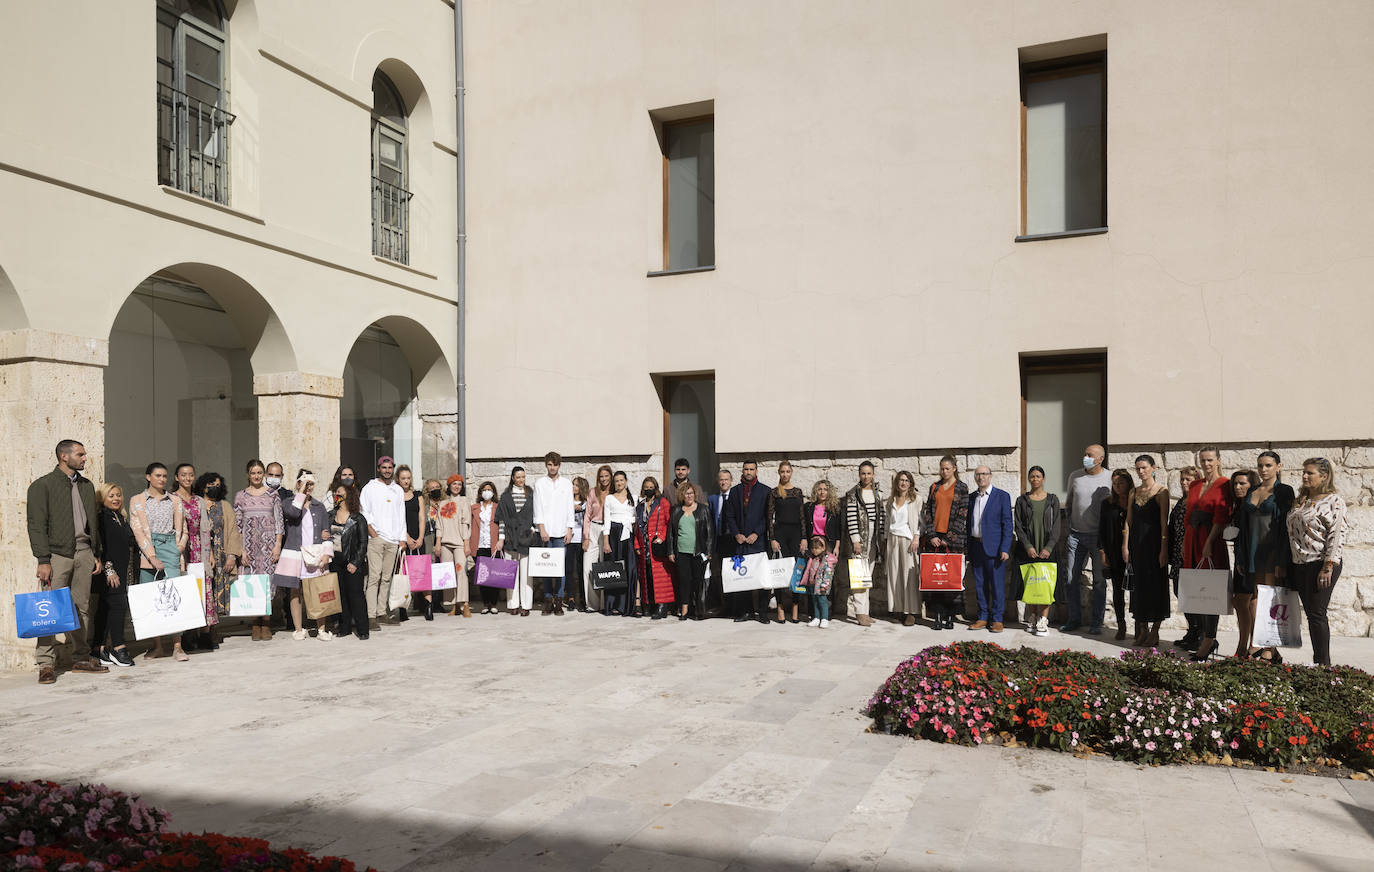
{"points": [[689, 194], [1063, 410], [1064, 145]]}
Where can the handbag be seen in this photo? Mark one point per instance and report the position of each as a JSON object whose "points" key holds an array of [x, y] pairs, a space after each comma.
{"points": [[250, 596], [443, 576], [798, 573], [860, 574], [419, 568], [780, 572], [547, 561], [321, 596], [609, 575], [1038, 581], [165, 606], [743, 572], [659, 549], [45, 613], [1278, 617], [1204, 591], [942, 571], [398, 597], [497, 572]]}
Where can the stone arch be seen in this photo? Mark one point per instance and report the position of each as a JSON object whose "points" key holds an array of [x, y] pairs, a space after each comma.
{"points": [[12, 315]]}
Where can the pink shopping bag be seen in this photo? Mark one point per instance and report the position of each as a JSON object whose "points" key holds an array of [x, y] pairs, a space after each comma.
{"points": [[418, 570]]}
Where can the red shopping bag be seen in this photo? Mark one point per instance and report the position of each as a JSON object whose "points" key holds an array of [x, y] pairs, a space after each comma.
{"points": [[419, 569], [942, 571]]}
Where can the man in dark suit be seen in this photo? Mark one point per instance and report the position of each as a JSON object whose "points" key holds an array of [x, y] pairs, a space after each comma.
{"points": [[989, 548], [746, 526], [716, 503]]}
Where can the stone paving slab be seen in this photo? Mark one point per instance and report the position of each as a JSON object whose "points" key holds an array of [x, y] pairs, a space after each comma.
{"points": [[612, 744]]}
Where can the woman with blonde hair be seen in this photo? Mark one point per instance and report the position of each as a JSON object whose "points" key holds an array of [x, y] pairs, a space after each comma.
{"points": [[785, 539], [452, 529], [903, 567], [1209, 511], [1316, 535], [119, 556], [593, 525]]}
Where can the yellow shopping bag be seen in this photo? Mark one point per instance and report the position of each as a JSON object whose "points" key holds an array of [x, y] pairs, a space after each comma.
{"points": [[1039, 581]]}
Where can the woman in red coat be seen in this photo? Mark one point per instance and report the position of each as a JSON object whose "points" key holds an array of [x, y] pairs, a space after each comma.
{"points": [[651, 549], [1209, 511]]}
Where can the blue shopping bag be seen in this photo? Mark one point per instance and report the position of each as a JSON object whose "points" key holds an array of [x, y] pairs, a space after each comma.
{"points": [[797, 573], [45, 613]]}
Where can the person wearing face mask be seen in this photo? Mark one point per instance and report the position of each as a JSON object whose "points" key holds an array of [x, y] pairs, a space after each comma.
{"points": [[343, 476], [452, 528], [220, 549], [746, 528], [515, 519], [383, 505], [258, 515], [274, 479], [307, 533], [1088, 488], [484, 533], [652, 549]]}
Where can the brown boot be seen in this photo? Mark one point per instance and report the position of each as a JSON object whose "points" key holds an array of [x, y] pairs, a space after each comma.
{"points": [[558, 605], [467, 612], [1141, 634], [909, 621], [47, 675], [548, 606], [865, 620], [1120, 630]]}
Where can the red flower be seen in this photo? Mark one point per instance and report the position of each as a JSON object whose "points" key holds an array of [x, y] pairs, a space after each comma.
{"points": [[448, 509]]}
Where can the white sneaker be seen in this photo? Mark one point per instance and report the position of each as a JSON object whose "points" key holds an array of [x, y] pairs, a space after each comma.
{"points": [[824, 624], [815, 622], [324, 634], [298, 635]]}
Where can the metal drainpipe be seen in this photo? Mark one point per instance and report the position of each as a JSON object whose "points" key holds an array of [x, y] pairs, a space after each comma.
{"points": [[462, 239]]}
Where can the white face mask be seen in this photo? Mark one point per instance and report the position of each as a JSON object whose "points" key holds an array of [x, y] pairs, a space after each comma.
{"points": [[273, 481], [488, 495], [1088, 462]]}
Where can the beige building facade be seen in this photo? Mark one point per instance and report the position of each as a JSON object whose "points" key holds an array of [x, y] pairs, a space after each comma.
{"points": [[1002, 230], [228, 231]]}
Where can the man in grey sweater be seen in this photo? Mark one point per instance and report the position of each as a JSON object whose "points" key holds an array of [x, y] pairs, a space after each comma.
{"points": [[1088, 488]]}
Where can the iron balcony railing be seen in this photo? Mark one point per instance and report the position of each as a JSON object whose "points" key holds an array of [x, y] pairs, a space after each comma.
{"points": [[390, 221], [192, 145]]}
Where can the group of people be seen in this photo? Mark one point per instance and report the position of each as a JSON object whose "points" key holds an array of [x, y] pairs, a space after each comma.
{"points": [[672, 544]]}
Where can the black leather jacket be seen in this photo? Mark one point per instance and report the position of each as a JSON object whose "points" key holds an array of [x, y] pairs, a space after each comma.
{"points": [[706, 530], [352, 544]]}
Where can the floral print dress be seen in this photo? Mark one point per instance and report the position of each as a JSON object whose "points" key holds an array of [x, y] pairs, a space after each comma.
{"points": [[260, 522]]}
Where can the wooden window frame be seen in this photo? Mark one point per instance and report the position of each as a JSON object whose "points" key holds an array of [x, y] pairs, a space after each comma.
{"points": [[1061, 68], [665, 127], [1055, 364]]}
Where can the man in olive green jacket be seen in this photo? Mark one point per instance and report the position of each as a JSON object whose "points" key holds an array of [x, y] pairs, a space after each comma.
{"points": [[64, 533]]}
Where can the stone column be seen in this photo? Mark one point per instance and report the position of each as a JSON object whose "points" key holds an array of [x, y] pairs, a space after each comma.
{"points": [[298, 423], [438, 437], [52, 387]]}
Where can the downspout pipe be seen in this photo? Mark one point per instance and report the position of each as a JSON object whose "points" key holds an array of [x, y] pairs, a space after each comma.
{"points": [[462, 237]]}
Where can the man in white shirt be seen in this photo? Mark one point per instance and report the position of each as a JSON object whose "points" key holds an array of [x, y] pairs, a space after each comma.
{"points": [[1088, 489], [384, 506], [553, 516]]}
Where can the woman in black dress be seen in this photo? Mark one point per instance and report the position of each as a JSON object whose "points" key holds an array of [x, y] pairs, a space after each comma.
{"points": [[120, 558], [1243, 591], [1147, 553], [785, 539], [1178, 531], [1111, 538]]}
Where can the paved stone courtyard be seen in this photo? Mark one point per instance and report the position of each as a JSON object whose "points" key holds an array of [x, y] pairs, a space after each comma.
{"points": [[582, 742]]}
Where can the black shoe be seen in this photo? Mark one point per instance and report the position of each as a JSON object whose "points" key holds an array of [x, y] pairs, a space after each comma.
{"points": [[762, 618], [103, 656], [120, 658], [682, 617], [364, 636], [402, 615], [741, 619]]}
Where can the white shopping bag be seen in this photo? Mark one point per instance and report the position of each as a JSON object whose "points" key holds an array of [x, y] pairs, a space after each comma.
{"points": [[1278, 617], [779, 572], [1204, 591], [443, 576], [745, 572], [250, 596], [399, 597], [546, 561], [165, 607]]}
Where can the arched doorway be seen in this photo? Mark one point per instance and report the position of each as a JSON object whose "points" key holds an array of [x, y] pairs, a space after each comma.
{"points": [[179, 386], [396, 381]]}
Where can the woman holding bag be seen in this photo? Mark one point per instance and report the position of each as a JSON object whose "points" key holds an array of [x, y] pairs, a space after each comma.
{"points": [[484, 533], [944, 530], [515, 517], [1209, 510], [304, 552], [617, 543], [1267, 552], [160, 531], [1316, 534], [593, 525], [1035, 519], [651, 544], [257, 514], [221, 549], [452, 529]]}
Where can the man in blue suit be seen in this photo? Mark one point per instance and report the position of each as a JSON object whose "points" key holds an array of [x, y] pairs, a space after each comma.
{"points": [[989, 549], [746, 529], [716, 503]]}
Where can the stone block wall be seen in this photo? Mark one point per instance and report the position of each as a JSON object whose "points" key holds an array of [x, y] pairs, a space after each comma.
{"points": [[1351, 611]]}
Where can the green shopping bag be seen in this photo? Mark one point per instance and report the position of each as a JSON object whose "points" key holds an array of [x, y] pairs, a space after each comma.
{"points": [[1039, 581]]}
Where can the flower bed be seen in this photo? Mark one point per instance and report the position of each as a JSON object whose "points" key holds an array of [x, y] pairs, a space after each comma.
{"points": [[1147, 706], [90, 828]]}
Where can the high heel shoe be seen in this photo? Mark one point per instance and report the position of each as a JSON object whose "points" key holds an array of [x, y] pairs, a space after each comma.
{"points": [[429, 610], [1205, 650]]}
